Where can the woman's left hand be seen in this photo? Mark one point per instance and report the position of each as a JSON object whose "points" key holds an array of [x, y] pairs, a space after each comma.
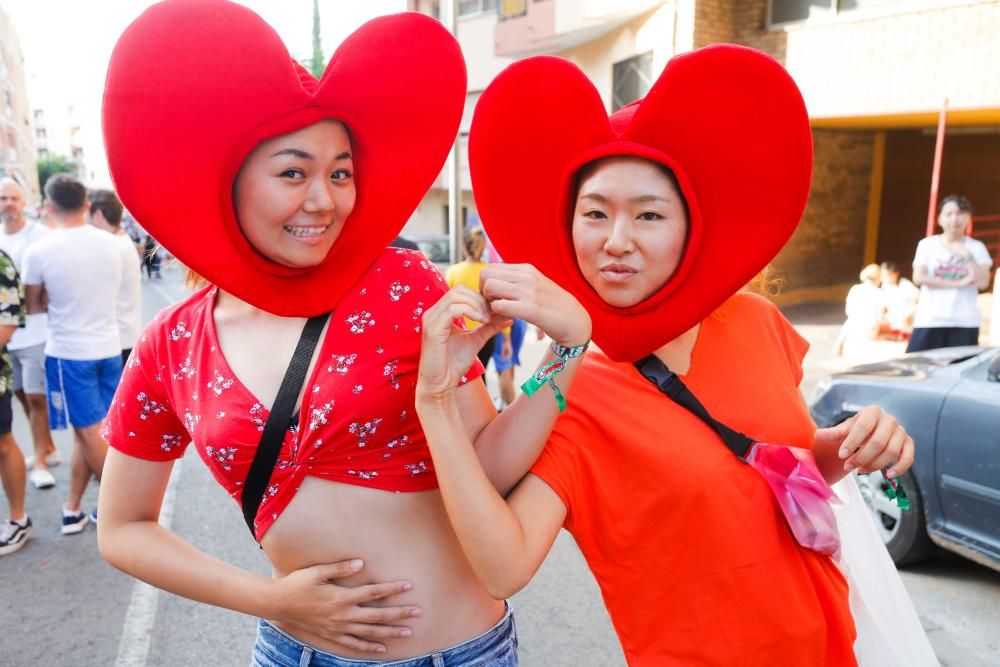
{"points": [[870, 441], [522, 291]]}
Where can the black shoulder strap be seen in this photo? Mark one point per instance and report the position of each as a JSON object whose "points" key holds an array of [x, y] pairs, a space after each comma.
{"points": [[667, 382], [279, 419]]}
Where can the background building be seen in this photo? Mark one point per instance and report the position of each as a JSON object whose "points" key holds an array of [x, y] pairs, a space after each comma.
{"points": [[17, 146], [874, 74], [59, 132]]}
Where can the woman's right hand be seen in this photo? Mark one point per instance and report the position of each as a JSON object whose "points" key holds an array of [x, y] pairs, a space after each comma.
{"points": [[446, 350], [308, 599]]}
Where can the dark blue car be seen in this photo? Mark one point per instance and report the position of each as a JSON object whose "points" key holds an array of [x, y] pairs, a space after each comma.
{"points": [[949, 402]]}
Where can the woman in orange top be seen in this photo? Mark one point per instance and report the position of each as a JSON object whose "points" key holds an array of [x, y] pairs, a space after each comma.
{"points": [[694, 559]]}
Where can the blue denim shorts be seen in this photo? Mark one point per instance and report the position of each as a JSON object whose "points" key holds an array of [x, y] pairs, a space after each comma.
{"points": [[497, 647], [80, 392]]}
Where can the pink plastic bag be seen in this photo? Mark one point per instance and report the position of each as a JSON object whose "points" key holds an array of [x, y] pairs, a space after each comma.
{"points": [[802, 493]]}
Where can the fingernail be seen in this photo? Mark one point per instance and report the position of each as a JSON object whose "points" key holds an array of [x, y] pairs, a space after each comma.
{"points": [[416, 611], [407, 586], [357, 564], [380, 649], [843, 452], [849, 467], [891, 474], [405, 632]]}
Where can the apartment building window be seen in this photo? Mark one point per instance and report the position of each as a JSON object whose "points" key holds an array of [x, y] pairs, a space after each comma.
{"points": [[470, 7], [632, 79], [43, 153], [511, 9], [463, 223], [789, 11], [39, 116], [8, 106], [847, 5], [40, 133], [793, 11]]}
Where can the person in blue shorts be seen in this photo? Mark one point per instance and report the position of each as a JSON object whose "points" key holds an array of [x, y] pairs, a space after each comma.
{"points": [[75, 273], [505, 365]]}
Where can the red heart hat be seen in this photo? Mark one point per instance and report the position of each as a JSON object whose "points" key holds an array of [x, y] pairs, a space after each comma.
{"points": [[194, 85], [728, 120]]}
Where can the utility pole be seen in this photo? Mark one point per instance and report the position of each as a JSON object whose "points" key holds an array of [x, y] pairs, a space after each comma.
{"points": [[936, 172], [449, 17], [318, 65]]}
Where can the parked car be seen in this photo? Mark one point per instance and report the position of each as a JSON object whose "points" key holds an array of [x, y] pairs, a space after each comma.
{"points": [[949, 402], [435, 246]]}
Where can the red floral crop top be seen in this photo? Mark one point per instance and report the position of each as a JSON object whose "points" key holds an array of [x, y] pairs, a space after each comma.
{"points": [[357, 422]]}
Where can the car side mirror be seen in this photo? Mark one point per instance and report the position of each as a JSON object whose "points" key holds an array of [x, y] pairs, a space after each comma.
{"points": [[993, 372]]}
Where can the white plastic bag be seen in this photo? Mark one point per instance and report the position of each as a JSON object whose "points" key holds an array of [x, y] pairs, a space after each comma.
{"points": [[889, 631]]}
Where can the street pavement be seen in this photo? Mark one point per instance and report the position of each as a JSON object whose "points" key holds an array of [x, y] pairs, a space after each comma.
{"points": [[63, 606]]}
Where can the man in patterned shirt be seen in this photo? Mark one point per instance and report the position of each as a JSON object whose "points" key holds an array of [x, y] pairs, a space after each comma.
{"points": [[16, 530]]}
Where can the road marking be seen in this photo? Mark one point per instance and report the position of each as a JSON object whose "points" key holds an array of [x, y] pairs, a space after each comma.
{"points": [[140, 617], [137, 634]]}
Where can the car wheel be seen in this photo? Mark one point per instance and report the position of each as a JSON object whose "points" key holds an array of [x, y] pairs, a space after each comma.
{"points": [[904, 532]]}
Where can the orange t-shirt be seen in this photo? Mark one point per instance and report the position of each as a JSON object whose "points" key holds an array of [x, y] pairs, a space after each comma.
{"points": [[695, 561]]}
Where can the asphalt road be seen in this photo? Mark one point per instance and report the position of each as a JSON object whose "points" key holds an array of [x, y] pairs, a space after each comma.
{"points": [[62, 605]]}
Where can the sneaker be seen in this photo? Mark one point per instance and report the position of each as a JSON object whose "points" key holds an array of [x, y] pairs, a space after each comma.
{"points": [[74, 522], [42, 479], [13, 536], [51, 460], [93, 516]]}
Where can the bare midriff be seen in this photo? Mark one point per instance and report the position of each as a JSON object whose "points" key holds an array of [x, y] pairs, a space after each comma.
{"points": [[400, 536]]}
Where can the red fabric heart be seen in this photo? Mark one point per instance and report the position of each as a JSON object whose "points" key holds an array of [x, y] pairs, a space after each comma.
{"points": [[194, 85], [728, 120]]}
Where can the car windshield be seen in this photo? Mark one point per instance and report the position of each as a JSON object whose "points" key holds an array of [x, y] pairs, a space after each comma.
{"points": [[436, 250]]}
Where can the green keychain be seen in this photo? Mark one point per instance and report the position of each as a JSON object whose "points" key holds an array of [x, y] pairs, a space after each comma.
{"points": [[895, 491]]}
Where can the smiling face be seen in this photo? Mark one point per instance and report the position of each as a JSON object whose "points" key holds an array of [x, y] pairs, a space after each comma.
{"points": [[629, 228], [294, 193]]}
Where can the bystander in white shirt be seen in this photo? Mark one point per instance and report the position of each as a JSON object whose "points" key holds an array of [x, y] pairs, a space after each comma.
{"points": [[948, 306], [81, 269], [900, 304], [130, 294]]}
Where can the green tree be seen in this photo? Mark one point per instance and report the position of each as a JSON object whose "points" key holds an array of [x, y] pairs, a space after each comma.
{"points": [[318, 62], [54, 164]]}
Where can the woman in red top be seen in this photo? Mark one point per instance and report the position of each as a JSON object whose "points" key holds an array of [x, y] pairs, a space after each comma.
{"points": [[314, 171], [695, 560]]}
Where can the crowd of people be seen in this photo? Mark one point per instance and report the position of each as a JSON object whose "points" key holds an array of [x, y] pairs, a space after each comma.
{"points": [[71, 313], [352, 429], [937, 309]]}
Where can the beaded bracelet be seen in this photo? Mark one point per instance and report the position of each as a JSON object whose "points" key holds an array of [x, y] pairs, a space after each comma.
{"points": [[547, 373]]}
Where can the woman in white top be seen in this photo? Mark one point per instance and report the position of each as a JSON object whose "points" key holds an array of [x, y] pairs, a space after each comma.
{"points": [[864, 308], [950, 269], [901, 297]]}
